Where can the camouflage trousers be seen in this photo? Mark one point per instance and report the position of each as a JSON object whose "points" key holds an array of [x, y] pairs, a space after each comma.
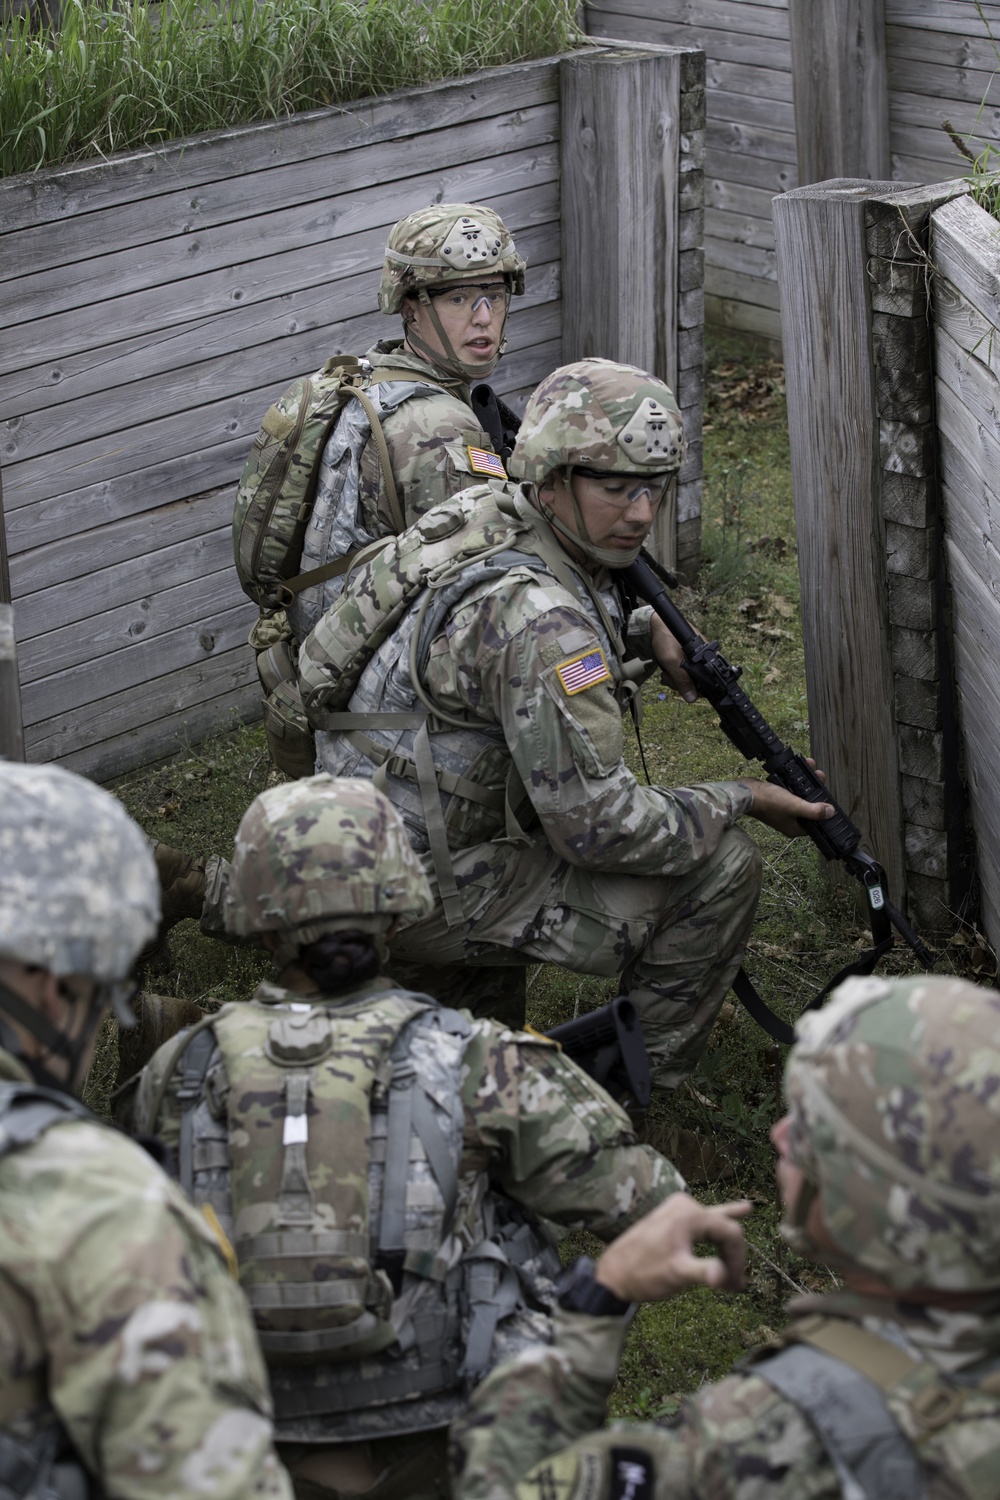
{"points": [[674, 942]]}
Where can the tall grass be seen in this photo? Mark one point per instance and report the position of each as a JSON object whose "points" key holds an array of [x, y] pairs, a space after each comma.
{"points": [[118, 76]]}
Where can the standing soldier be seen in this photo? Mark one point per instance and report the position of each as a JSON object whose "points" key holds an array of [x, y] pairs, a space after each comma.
{"points": [[128, 1364], [889, 1171], [478, 668], [378, 1161]]}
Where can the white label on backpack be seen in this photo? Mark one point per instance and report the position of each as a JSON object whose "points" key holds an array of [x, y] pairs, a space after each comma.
{"points": [[296, 1130]]}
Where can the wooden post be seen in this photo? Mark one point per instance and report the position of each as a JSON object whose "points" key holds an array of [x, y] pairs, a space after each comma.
{"points": [[840, 88], [11, 726], [851, 269], [628, 287]]}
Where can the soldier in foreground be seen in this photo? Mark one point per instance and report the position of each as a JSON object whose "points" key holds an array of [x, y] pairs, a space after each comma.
{"points": [[479, 668], [128, 1363], [889, 1171], [377, 1160]]}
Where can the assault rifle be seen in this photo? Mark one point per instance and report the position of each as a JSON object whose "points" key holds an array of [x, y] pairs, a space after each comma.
{"points": [[608, 1044], [744, 724]]}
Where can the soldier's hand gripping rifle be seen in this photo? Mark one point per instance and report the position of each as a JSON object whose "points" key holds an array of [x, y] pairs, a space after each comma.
{"points": [[744, 724]]}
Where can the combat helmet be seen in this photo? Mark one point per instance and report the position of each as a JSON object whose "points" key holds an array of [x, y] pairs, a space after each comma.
{"points": [[600, 415], [447, 242], [894, 1096], [322, 853], [79, 895]]}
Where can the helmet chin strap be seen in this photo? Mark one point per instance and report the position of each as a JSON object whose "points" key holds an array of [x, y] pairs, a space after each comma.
{"points": [[449, 360], [51, 1038], [609, 557]]}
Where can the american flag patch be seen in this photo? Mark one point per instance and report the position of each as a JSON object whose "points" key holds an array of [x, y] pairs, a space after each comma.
{"points": [[482, 461], [583, 671]]}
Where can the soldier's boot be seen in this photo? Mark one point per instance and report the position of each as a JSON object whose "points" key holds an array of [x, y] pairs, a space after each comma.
{"points": [[499, 993], [182, 894], [159, 1017]]}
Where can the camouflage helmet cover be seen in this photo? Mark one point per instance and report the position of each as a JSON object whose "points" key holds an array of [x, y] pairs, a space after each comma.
{"points": [[894, 1096], [446, 242], [601, 414], [79, 893], [319, 850]]}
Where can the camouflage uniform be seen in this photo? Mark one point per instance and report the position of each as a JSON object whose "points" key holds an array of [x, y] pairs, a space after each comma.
{"points": [[318, 856], [522, 660], [894, 1102], [124, 1342]]}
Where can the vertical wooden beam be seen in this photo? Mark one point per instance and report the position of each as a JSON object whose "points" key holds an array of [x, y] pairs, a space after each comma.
{"points": [[11, 725], [820, 238], [620, 159], [840, 87]]}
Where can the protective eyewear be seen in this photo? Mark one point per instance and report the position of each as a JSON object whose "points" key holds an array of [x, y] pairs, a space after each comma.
{"points": [[470, 298], [626, 489]]}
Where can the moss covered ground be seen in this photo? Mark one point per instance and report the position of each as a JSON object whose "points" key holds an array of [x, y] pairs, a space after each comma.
{"points": [[746, 595]]}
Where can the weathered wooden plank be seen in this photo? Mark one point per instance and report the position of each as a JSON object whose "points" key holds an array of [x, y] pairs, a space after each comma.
{"points": [[736, 287], [738, 198], [742, 228], [840, 89], [937, 79], [737, 16], [906, 168], [974, 386], [946, 49], [923, 801], [126, 670], [909, 550], [162, 699], [745, 109], [745, 259], [914, 652], [749, 140], [191, 388], [966, 326], [977, 650], [920, 112], [745, 48], [760, 172], [327, 226], [744, 317], [822, 256], [58, 607], [737, 78], [907, 501], [61, 193], [117, 628], [11, 728], [163, 737], [933, 144], [965, 248], [977, 451], [960, 17], [289, 331], [973, 517]]}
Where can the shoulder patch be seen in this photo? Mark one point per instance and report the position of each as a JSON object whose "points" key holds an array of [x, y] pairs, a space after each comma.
{"points": [[583, 671], [482, 461]]}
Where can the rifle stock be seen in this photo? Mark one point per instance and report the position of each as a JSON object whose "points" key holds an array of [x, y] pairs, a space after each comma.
{"points": [[608, 1044]]}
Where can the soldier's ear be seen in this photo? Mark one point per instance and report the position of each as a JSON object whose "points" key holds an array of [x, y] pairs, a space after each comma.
{"points": [[545, 489]]}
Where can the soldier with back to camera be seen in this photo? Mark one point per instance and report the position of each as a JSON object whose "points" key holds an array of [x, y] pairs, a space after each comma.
{"points": [[377, 1160]]}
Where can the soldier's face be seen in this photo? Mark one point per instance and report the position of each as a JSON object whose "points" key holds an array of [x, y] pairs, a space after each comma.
{"points": [[618, 510], [471, 314]]}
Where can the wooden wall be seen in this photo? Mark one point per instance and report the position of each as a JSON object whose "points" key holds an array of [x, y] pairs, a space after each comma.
{"points": [[155, 305], [939, 64], [749, 137], [965, 249]]}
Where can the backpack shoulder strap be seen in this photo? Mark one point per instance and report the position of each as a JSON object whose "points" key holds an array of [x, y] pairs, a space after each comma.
{"points": [[27, 1110], [838, 1374]]}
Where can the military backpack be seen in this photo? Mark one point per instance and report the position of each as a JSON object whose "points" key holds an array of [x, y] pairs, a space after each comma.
{"points": [[327, 1140]]}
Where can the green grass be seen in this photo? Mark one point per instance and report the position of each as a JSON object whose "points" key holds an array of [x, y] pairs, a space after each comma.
{"points": [[117, 77], [746, 596]]}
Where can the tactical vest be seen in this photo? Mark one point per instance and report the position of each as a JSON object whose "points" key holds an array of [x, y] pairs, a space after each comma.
{"points": [[327, 1139], [856, 1388], [43, 1465], [451, 779]]}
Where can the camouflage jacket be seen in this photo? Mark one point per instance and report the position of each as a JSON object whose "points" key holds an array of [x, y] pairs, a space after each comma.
{"points": [[735, 1440], [116, 1300], [526, 658], [542, 1131]]}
